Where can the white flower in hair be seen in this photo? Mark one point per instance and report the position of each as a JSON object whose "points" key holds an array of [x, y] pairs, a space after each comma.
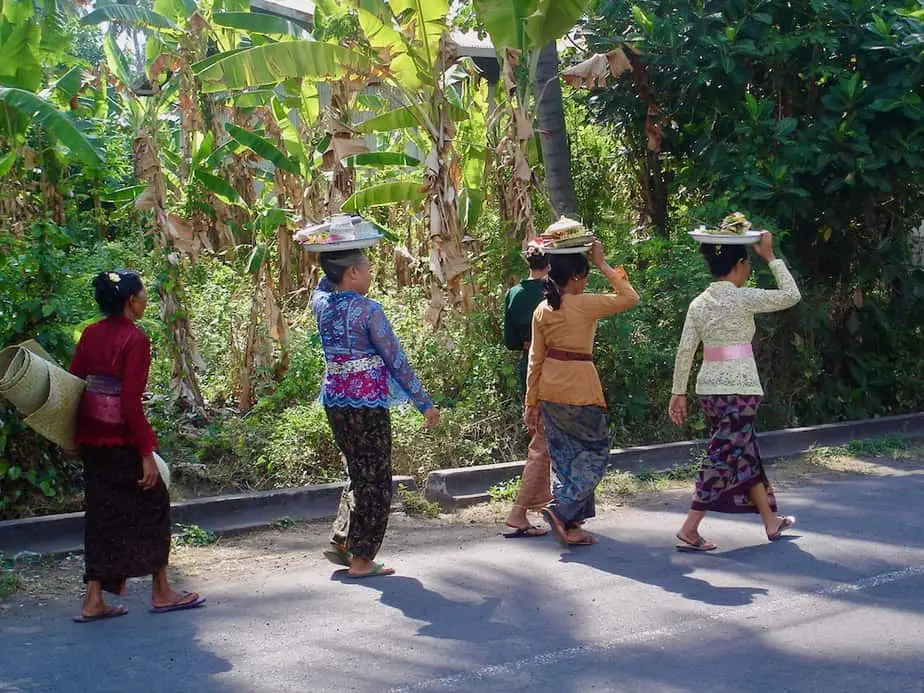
{"points": [[114, 278]]}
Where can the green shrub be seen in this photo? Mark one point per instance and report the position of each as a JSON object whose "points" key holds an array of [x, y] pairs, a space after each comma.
{"points": [[192, 535], [878, 447], [300, 448], [506, 491], [11, 583], [415, 505]]}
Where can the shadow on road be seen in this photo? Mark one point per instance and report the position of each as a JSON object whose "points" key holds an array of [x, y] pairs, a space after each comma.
{"points": [[50, 653], [443, 617], [656, 566]]}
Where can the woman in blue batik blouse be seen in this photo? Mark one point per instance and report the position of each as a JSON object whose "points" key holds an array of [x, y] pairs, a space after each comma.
{"points": [[367, 372]]}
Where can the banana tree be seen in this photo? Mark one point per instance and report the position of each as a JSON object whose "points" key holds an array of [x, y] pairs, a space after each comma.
{"points": [[37, 116], [411, 39], [215, 174], [405, 45], [524, 33], [174, 236]]}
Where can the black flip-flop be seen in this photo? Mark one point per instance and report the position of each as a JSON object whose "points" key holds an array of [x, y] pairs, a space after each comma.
{"points": [[525, 532], [180, 605], [700, 545], [111, 612]]}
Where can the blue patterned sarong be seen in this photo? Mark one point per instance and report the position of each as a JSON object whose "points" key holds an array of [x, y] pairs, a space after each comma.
{"points": [[579, 446]]}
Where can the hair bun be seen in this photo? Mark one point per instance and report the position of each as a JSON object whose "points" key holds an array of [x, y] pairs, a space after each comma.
{"points": [[113, 288]]}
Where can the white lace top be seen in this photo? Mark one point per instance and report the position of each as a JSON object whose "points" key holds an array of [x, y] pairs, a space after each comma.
{"points": [[723, 316]]}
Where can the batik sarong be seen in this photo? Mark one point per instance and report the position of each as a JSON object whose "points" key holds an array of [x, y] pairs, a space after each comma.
{"points": [[579, 447], [363, 435], [732, 465]]}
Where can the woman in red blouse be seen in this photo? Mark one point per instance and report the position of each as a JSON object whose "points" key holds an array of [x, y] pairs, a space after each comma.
{"points": [[127, 520]]}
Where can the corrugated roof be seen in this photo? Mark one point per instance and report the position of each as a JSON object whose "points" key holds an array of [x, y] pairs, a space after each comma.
{"points": [[302, 11]]}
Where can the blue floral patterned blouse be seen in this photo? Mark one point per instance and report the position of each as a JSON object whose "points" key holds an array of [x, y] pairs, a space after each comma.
{"points": [[366, 366]]}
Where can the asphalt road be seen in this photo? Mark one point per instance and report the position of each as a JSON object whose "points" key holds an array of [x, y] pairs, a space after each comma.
{"points": [[837, 607]]}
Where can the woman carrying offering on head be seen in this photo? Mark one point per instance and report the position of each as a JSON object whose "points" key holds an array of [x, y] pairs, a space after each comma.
{"points": [[367, 372], [563, 387], [519, 305], [127, 519], [732, 478]]}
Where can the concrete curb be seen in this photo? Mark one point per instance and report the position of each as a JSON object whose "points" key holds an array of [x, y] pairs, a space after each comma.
{"points": [[461, 487], [224, 515], [451, 488]]}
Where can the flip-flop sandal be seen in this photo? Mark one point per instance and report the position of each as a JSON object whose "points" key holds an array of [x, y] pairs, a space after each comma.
{"points": [[111, 612], [338, 556], [525, 532], [180, 605], [588, 540], [785, 524], [378, 570], [560, 535], [700, 545]]}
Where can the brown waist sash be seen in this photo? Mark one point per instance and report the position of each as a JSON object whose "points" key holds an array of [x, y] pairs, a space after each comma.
{"points": [[562, 355]]}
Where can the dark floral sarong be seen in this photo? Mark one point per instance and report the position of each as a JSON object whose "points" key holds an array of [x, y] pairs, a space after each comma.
{"points": [[732, 466], [363, 435], [126, 529], [579, 447]]}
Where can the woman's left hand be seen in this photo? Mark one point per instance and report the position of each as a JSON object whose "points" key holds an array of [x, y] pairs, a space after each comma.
{"points": [[677, 409], [531, 418], [150, 473]]}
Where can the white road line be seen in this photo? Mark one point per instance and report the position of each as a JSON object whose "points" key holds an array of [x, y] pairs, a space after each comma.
{"points": [[545, 659]]}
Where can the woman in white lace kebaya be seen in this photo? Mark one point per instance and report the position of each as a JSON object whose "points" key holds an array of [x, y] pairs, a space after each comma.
{"points": [[732, 477]]}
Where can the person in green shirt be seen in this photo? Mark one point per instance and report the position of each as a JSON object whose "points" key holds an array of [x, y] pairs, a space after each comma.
{"points": [[519, 305]]}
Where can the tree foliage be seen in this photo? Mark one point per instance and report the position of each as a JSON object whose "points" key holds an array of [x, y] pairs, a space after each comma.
{"points": [[809, 117], [194, 154]]}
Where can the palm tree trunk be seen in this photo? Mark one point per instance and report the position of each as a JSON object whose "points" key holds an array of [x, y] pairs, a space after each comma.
{"points": [[550, 113]]}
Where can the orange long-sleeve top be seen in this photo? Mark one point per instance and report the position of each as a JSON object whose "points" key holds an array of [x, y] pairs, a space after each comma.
{"points": [[572, 328]]}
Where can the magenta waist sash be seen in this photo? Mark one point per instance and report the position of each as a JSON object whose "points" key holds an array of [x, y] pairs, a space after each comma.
{"points": [[102, 400], [728, 353]]}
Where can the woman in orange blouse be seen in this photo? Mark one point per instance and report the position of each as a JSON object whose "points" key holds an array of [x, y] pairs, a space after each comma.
{"points": [[563, 385]]}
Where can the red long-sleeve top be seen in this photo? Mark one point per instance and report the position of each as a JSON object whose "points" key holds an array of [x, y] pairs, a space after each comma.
{"points": [[117, 348]]}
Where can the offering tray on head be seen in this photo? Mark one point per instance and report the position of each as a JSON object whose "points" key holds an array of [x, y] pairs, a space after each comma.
{"points": [[735, 229], [566, 236], [339, 233]]}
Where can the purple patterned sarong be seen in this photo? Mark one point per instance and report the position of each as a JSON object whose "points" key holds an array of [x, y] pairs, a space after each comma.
{"points": [[732, 466]]}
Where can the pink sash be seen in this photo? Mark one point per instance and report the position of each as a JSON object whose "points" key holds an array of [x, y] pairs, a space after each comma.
{"points": [[728, 353]]}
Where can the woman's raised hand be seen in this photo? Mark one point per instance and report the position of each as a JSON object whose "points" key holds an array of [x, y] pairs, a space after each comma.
{"points": [[596, 254], [764, 247]]}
